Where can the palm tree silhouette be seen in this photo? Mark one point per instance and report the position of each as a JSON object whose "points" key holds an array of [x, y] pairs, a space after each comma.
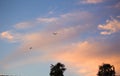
{"points": [[57, 70], [106, 70]]}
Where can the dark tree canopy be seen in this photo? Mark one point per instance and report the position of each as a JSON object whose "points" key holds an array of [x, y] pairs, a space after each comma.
{"points": [[57, 70], [106, 70]]}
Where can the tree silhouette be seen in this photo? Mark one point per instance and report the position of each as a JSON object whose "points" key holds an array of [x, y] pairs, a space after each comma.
{"points": [[57, 70], [106, 70]]}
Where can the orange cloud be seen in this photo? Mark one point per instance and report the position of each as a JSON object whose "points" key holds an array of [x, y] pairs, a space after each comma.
{"points": [[86, 58], [7, 35], [11, 36], [46, 40], [81, 58], [111, 26], [43, 41]]}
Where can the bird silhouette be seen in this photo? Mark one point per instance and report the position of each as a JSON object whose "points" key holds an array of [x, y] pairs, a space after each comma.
{"points": [[30, 48], [55, 33]]}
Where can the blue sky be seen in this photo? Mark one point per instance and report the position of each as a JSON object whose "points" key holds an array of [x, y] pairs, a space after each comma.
{"points": [[87, 36]]}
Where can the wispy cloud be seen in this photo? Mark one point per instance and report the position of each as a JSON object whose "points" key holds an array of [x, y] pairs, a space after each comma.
{"points": [[91, 1], [111, 26], [118, 16], [59, 21], [67, 19], [115, 6], [46, 20], [63, 24], [24, 25]]}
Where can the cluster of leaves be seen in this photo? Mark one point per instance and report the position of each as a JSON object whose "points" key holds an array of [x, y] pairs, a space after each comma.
{"points": [[106, 70], [57, 70]]}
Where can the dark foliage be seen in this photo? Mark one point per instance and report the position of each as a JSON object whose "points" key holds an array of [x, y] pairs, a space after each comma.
{"points": [[106, 70], [57, 70]]}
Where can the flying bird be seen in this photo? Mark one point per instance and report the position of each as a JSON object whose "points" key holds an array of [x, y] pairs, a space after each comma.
{"points": [[30, 48], [55, 33]]}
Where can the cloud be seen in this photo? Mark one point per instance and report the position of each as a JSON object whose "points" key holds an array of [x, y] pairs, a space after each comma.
{"points": [[7, 35], [111, 26], [50, 12], [24, 25], [46, 20], [11, 36], [65, 24], [56, 22], [118, 16], [117, 5], [81, 57], [67, 19], [91, 1], [80, 15], [86, 56], [59, 21], [44, 41]]}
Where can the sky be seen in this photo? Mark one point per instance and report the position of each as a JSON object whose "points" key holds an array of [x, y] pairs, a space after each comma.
{"points": [[82, 34]]}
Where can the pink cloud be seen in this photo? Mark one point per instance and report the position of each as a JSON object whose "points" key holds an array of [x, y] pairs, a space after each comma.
{"points": [[115, 6], [6, 35], [111, 26], [67, 19], [10, 36], [46, 39], [86, 57], [46, 20], [81, 58], [91, 1]]}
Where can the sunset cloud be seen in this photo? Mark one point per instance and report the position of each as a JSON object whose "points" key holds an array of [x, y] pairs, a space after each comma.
{"points": [[118, 16], [115, 6], [44, 40], [46, 20], [7, 35], [24, 25], [82, 34], [79, 56], [59, 21], [66, 25], [111, 26], [87, 56], [66, 19], [76, 56], [11, 36], [91, 1]]}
